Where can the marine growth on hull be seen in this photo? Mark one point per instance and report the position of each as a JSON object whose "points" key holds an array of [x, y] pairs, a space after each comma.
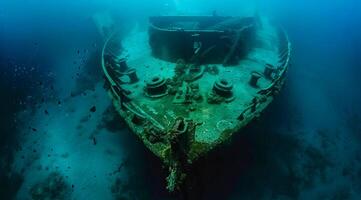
{"points": [[190, 82]]}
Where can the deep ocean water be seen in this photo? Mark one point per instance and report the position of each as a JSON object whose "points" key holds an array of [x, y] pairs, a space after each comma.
{"points": [[61, 138]]}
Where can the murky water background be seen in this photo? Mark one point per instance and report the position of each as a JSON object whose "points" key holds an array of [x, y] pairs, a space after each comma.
{"points": [[306, 146]]}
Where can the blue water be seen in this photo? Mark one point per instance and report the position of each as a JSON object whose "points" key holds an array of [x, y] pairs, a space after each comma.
{"points": [[307, 145]]}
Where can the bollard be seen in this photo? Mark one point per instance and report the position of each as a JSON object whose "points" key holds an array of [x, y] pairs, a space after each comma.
{"points": [[254, 79]]}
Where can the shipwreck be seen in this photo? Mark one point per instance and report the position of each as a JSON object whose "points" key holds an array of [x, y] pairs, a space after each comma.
{"points": [[189, 83]]}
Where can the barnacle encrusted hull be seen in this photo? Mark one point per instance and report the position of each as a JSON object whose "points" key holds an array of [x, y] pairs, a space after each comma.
{"points": [[190, 82]]}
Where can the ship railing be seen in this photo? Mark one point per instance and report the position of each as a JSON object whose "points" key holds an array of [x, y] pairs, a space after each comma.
{"points": [[284, 56]]}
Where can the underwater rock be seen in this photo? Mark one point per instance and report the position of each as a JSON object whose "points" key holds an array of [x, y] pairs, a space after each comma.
{"points": [[94, 140], [93, 109], [53, 187]]}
